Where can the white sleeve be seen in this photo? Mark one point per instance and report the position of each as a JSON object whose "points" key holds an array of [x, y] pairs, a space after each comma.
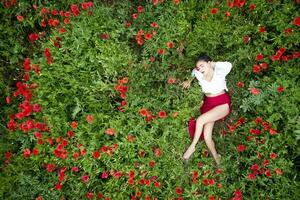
{"points": [[197, 74], [224, 68]]}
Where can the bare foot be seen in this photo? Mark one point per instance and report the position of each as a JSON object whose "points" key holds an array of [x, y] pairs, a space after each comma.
{"points": [[188, 152], [218, 159]]}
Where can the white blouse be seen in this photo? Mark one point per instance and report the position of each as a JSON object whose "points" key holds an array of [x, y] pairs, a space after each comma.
{"points": [[218, 82]]}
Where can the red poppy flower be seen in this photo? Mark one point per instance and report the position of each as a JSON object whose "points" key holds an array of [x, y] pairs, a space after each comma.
{"points": [[20, 18], [239, 3], [227, 14], [50, 167], [171, 80], [154, 25], [230, 4], [96, 154], [38, 135], [148, 36], [266, 125], [211, 197], [8, 99], [8, 155], [47, 54], [211, 181], [89, 195], [252, 6], [86, 5], [110, 131], [241, 148], [255, 131], [278, 171], [85, 178], [44, 10], [104, 36], [256, 69], [89, 118], [268, 173], [99, 195], [251, 176], [265, 163], [157, 152], [58, 186], [152, 59], [143, 112], [255, 167], [175, 114], [214, 11], [205, 182], [75, 169], [62, 30], [75, 10], [53, 22], [161, 51], [54, 12], [134, 16], [288, 31], [178, 190], [67, 21], [219, 171], [263, 65], [140, 42], [240, 84], [255, 91], [272, 131], [147, 197], [130, 138], [73, 124], [26, 64], [176, 2], [152, 163], [83, 152], [117, 175], [140, 9], [297, 21], [155, 2], [246, 39], [157, 184], [104, 175], [35, 151], [26, 153], [259, 57], [280, 89], [170, 44], [162, 114], [262, 29], [273, 155]]}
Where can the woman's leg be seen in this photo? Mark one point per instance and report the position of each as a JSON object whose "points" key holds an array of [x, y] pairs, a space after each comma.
{"points": [[212, 115], [208, 129]]}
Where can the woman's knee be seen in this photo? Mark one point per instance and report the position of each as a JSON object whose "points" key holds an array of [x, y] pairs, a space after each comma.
{"points": [[200, 120]]}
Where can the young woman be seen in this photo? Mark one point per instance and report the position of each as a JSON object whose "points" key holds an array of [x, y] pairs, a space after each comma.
{"points": [[211, 77]]}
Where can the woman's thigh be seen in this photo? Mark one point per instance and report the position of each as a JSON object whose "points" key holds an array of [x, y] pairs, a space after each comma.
{"points": [[214, 114]]}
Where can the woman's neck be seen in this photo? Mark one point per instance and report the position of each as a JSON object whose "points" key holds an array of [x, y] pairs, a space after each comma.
{"points": [[210, 74]]}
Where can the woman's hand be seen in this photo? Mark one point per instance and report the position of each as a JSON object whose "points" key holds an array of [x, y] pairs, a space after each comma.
{"points": [[186, 84]]}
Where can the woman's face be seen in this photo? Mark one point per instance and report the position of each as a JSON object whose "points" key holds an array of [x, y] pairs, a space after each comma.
{"points": [[203, 67]]}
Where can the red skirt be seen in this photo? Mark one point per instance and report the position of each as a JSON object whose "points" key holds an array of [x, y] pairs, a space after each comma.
{"points": [[209, 103]]}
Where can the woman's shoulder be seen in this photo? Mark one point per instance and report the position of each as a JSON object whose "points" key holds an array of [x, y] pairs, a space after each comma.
{"points": [[223, 64], [223, 67]]}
